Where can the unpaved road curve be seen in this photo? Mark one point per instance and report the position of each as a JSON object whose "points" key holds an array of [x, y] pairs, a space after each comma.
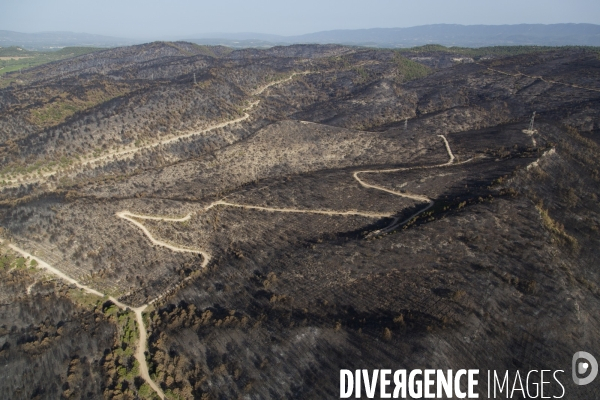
{"points": [[44, 265], [395, 222], [140, 351], [30, 287], [132, 218], [124, 153], [302, 211], [142, 340], [289, 78], [518, 74]]}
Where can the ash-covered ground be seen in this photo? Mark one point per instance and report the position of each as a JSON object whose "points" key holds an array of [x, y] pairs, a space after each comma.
{"points": [[305, 209]]}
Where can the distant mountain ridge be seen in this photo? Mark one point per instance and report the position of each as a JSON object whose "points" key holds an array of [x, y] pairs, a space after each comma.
{"points": [[47, 40], [468, 35], [444, 34]]}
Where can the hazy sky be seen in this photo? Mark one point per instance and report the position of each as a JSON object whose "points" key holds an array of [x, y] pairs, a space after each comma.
{"points": [[187, 18]]}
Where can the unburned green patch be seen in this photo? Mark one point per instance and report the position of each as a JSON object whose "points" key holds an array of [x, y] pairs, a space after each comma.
{"points": [[410, 70], [64, 105]]}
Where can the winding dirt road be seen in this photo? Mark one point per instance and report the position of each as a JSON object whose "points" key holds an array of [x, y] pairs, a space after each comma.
{"points": [[142, 340], [140, 350], [394, 224], [135, 220], [302, 211], [518, 74], [131, 217], [127, 152]]}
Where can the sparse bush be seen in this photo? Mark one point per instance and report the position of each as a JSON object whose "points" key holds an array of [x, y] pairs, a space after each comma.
{"points": [[387, 334], [458, 295], [556, 228]]}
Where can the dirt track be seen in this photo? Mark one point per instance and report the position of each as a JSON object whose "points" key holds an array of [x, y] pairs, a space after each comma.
{"points": [[395, 223], [518, 74], [142, 340], [133, 218], [128, 152]]}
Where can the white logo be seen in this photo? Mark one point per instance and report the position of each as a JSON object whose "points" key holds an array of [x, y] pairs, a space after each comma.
{"points": [[580, 368]]}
